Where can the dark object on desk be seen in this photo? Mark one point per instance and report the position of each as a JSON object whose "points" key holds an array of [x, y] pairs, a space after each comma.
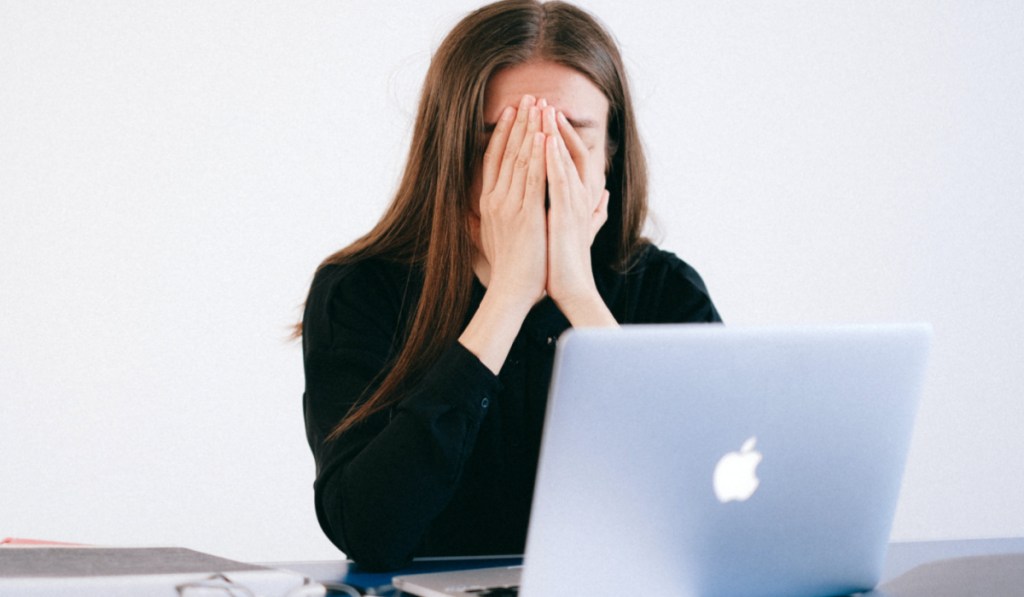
{"points": [[981, 576], [902, 557]]}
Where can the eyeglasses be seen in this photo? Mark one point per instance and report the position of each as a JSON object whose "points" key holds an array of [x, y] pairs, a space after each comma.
{"points": [[220, 585]]}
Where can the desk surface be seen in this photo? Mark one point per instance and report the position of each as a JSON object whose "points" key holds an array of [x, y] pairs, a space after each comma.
{"points": [[901, 557]]}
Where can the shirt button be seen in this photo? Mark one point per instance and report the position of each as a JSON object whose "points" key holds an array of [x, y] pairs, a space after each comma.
{"points": [[485, 402]]}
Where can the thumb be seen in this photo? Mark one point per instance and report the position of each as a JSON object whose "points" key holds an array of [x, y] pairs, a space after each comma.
{"points": [[600, 215]]}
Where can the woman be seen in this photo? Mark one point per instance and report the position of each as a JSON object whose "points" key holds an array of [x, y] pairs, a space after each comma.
{"points": [[429, 342]]}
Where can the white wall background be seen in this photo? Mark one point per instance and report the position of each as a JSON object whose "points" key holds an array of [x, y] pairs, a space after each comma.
{"points": [[171, 174]]}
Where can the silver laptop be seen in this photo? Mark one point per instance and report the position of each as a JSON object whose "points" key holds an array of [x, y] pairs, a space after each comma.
{"points": [[712, 460]]}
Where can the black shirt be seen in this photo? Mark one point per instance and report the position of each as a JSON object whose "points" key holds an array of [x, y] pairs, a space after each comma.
{"points": [[450, 469]]}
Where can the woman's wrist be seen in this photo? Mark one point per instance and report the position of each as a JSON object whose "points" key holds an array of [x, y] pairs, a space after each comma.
{"points": [[494, 328], [586, 310]]}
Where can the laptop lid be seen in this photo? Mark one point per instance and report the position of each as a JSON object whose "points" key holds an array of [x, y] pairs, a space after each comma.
{"points": [[712, 460]]}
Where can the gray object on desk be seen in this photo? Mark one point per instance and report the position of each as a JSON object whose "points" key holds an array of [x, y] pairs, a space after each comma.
{"points": [[129, 572], [50, 562]]}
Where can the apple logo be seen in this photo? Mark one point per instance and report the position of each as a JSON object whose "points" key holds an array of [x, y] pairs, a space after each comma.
{"points": [[735, 475]]}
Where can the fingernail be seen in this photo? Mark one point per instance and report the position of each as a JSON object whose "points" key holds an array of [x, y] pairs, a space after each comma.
{"points": [[526, 101], [507, 113]]}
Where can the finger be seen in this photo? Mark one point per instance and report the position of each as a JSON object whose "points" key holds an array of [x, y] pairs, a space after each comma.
{"points": [[496, 147], [601, 211], [536, 176], [521, 164], [600, 215], [577, 147], [533, 124], [514, 143], [571, 169], [558, 180], [550, 124]]}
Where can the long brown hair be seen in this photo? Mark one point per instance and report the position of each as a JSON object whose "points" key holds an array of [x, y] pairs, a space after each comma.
{"points": [[426, 224]]}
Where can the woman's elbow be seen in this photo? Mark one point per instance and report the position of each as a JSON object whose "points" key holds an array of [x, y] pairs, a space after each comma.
{"points": [[362, 539]]}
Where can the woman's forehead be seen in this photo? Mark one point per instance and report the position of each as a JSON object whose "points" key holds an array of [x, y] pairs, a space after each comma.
{"points": [[563, 87]]}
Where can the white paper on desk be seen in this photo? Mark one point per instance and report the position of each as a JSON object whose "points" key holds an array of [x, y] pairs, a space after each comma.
{"points": [[123, 572]]}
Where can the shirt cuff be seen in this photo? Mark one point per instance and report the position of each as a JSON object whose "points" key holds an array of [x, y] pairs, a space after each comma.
{"points": [[458, 380]]}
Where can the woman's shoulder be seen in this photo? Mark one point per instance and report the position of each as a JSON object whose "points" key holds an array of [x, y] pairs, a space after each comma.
{"points": [[656, 264], [659, 286], [371, 289], [362, 276]]}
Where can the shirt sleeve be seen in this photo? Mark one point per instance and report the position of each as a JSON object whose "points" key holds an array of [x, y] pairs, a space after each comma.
{"points": [[380, 486]]}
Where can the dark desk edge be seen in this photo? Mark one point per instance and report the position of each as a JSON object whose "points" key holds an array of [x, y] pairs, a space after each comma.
{"points": [[901, 557]]}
